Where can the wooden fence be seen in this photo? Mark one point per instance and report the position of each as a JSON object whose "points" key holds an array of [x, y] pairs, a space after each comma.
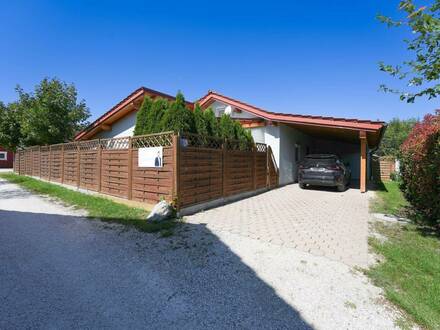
{"points": [[383, 167], [195, 168]]}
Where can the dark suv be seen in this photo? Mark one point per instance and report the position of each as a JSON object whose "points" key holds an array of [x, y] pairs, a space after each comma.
{"points": [[323, 170]]}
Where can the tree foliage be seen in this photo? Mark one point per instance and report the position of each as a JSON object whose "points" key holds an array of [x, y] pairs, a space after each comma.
{"points": [[48, 115], [422, 72], [212, 124], [160, 115], [178, 117], [420, 170], [396, 132], [200, 121], [10, 133]]}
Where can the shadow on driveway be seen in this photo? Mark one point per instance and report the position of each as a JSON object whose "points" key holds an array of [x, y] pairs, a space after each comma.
{"points": [[67, 272]]}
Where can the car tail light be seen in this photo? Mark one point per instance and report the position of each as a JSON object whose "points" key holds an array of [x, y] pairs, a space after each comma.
{"points": [[333, 167]]}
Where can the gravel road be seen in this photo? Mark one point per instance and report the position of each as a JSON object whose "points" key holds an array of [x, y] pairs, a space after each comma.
{"points": [[59, 270]]}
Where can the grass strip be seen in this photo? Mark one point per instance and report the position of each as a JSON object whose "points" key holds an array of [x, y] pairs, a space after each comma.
{"points": [[97, 207], [410, 273]]}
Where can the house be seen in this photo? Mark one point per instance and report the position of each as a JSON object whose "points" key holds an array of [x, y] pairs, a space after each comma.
{"points": [[6, 158], [291, 136]]}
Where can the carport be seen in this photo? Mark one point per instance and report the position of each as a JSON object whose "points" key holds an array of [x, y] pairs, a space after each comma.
{"points": [[353, 145], [292, 136]]}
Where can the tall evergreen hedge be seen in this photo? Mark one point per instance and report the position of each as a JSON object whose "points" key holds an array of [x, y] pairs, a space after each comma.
{"points": [[160, 115]]}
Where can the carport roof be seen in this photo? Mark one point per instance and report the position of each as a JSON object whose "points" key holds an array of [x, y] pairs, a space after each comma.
{"points": [[341, 128], [358, 124]]}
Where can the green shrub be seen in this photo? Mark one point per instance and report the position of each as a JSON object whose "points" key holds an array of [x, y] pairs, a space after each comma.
{"points": [[212, 123], [178, 117], [154, 116], [199, 121], [420, 168], [160, 115], [141, 117]]}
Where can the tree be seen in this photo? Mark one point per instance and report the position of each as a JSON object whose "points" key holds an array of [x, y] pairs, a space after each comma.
{"points": [[199, 121], [178, 117], [154, 117], [420, 170], [227, 127], [10, 132], [422, 72], [52, 113], [212, 124], [396, 132], [141, 116]]}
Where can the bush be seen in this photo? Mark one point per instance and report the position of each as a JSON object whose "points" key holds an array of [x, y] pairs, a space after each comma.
{"points": [[212, 123], [141, 117], [178, 117], [199, 121], [420, 168], [160, 115]]}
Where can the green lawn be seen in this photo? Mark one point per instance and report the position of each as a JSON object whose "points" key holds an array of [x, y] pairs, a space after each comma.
{"points": [[410, 272], [389, 199], [97, 207]]}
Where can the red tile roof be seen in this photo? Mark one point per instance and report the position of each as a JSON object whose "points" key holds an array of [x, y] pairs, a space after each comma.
{"points": [[358, 124], [141, 91]]}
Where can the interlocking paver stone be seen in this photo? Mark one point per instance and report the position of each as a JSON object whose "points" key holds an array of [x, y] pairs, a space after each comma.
{"points": [[321, 222]]}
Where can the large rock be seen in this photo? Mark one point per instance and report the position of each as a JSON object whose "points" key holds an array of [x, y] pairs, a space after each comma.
{"points": [[160, 212]]}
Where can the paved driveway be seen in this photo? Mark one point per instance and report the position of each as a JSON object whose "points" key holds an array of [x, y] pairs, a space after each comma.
{"points": [[322, 222]]}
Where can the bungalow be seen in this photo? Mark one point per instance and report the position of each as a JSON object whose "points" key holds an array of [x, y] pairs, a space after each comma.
{"points": [[291, 136], [6, 158]]}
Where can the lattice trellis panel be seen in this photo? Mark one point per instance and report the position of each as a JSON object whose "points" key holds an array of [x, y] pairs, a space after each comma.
{"points": [[239, 145], [260, 147], [89, 145], [153, 140], [200, 141], [115, 144]]}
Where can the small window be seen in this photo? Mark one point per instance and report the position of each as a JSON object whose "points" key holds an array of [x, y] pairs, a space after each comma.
{"points": [[3, 155]]}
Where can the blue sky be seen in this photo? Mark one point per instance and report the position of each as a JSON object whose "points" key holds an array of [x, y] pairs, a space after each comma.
{"points": [[308, 57]]}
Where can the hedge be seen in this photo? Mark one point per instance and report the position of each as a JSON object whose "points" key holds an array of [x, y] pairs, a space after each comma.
{"points": [[160, 115], [420, 170]]}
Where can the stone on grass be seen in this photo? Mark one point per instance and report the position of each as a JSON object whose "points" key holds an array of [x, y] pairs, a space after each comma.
{"points": [[160, 212]]}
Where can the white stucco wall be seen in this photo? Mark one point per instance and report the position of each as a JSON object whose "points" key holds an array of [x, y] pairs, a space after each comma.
{"points": [[220, 107], [289, 137], [123, 127]]}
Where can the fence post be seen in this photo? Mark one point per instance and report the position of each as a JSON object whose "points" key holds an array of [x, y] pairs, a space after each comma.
{"points": [[78, 165], [62, 163], [39, 159], [50, 162], [130, 168], [99, 164], [267, 168], [176, 179], [254, 156], [224, 174]]}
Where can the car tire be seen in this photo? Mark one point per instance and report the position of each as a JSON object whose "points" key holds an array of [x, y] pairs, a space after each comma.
{"points": [[302, 186], [341, 188]]}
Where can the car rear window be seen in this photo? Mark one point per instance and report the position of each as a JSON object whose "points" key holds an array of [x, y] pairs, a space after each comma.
{"points": [[310, 161]]}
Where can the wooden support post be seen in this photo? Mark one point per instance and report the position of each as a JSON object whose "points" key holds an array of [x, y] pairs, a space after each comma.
{"points": [[224, 168], [267, 168], [50, 162], [254, 176], [62, 163], [78, 165], [32, 162], [363, 172], [130, 168], [176, 171], [39, 160], [99, 164]]}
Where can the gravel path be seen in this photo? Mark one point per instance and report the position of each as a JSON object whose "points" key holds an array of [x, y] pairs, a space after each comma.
{"points": [[59, 270]]}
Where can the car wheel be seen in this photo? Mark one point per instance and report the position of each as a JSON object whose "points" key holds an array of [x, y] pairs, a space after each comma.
{"points": [[341, 188], [302, 186]]}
